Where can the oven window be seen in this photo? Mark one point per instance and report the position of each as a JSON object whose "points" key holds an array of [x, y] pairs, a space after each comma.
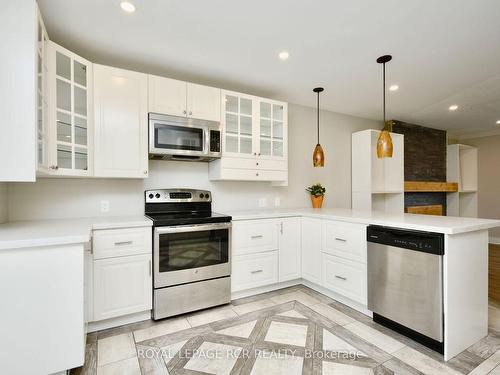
{"points": [[178, 137], [180, 251]]}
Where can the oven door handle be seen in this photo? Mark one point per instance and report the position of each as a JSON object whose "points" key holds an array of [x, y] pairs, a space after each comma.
{"points": [[192, 228]]}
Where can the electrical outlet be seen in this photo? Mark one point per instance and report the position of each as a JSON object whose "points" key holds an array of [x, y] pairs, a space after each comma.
{"points": [[262, 202], [277, 201], [104, 206]]}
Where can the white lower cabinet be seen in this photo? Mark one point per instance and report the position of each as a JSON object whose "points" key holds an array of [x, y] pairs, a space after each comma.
{"points": [[289, 249], [122, 286], [121, 272], [265, 252], [345, 277], [311, 250], [254, 270]]}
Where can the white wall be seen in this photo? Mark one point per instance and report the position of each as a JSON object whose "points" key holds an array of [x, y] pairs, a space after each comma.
{"points": [[56, 198], [488, 178], [3, 203]]}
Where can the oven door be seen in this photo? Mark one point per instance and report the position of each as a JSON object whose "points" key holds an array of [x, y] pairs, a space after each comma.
{"points": [[184, 254], [177, 136]]}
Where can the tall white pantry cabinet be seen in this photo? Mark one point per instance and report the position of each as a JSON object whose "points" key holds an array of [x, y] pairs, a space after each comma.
{"points": [[377, 184]]}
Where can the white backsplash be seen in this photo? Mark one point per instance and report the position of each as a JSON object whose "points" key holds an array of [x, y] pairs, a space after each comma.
{"points": [[59, 198]]}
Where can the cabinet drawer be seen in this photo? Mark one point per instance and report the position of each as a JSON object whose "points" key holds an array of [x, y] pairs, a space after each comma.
{"points": [[252, 175], [273, 165], [254, 236], [254, 270], [257, 163], [345, 240], [110, 243], [345, 277]]}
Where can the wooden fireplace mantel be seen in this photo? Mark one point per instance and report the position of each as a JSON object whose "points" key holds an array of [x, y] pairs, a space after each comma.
{"points": [[430, 186]]}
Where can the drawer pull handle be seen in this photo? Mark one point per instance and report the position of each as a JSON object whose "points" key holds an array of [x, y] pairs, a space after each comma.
{"points": [[257, 271], [255, 237], [121, 243], [341, 277], [340, 239]]}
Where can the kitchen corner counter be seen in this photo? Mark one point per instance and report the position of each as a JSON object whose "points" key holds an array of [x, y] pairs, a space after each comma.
{"points": [[438, 224], [53, 232]]}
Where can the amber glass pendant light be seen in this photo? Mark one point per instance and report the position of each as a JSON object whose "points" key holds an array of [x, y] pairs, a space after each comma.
{"points": [[384, 143], [318, 154]]}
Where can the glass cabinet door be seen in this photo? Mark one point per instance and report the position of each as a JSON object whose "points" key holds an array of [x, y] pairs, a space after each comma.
{"points": [[238, 124], [42, 97], [72, 76], [271, 135]]}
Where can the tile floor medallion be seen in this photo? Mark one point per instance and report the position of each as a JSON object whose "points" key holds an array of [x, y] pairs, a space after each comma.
{"points": [[293, 331]]}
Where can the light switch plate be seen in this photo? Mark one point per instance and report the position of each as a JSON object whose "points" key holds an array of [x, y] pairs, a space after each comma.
{"points": [[277, 201], [262, 202]]}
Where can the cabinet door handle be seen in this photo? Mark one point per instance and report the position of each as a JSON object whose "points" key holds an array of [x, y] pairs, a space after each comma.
{"points": [[145, 172], [185, 112], [340, 239], [281, 227], [122, 243], [255, 237], [256, 271], [150, 268], [341, 277]]}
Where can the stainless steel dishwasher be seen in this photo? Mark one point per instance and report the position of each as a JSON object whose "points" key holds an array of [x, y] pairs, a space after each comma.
{"points": [[405, 282]]}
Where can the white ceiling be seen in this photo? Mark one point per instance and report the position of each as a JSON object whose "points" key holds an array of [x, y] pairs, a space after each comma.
{"points": [[444, 51]]}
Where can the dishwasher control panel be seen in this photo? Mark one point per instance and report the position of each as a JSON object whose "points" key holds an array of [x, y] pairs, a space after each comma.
{"points": [[427, 242]]}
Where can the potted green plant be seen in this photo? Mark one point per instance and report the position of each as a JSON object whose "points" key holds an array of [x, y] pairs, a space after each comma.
{"points": [[317, 192]]}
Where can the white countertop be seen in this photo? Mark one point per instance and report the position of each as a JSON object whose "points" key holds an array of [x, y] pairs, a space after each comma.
{"points": [[20, 234], [430, 223]]}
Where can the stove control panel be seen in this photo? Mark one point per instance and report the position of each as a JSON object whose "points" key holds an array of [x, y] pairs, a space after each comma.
{"points": [[177, 195]]}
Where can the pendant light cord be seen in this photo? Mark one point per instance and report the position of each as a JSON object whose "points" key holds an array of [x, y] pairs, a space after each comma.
{"points": [[383, 89], [318, 117]]}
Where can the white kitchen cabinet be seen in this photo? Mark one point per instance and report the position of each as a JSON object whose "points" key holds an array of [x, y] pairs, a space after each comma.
{"points": [[346, 240], [167, 96], [311, 250], [203, 102], [19, 88], [345, 277], [254, 236], [42, 104], [122, 286], [178, 98], [255, 139], [121, 123], [70, 122], [289, 248], [377, 184], [254, 270]]}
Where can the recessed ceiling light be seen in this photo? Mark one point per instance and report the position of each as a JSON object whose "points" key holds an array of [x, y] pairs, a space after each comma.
{"points": [[453, 107], [498, 122], [393, 87], [284, 55], [127, 7]]}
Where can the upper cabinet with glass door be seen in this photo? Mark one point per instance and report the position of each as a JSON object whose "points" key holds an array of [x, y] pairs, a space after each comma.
{"points": [[70, 116], [239, 125], [254, 127], [272, 129], [42, 96]]}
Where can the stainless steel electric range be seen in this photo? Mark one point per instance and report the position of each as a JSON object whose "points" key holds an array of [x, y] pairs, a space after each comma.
{"points": [[191, 251]]}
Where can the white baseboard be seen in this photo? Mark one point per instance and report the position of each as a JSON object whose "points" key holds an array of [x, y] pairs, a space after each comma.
{"points": [[269, 288], [119, 321], [337, 297], [264, 289]]}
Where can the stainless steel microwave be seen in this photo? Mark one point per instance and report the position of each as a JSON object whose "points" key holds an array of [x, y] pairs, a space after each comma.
{"points": [[182, 138]]}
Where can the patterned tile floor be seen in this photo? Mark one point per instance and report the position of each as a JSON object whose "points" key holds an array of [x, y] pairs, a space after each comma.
{"points": [[291, 331]]}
